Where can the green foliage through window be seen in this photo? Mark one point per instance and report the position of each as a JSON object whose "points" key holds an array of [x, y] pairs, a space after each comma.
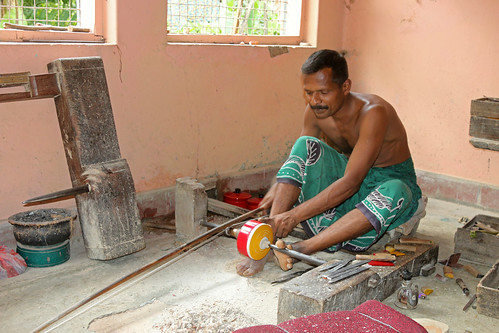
{"points": [[60, 13], [228, 17]]}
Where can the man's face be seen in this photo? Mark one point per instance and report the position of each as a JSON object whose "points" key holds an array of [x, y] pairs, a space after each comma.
{"points": [[323, 95]]}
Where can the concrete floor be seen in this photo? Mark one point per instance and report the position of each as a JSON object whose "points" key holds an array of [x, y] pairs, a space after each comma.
{"points": [[202, 287]]}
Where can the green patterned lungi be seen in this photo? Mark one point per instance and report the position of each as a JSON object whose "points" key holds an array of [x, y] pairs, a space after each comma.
{"points": [[388, 196]]}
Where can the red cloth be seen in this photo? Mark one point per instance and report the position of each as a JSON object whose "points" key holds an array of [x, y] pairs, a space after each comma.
{"points": [[371, 316], [11, 263]]}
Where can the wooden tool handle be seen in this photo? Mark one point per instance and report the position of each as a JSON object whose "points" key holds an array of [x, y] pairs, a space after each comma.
{"points": [[412, 240], [472, 271], [405, 247], [448, 272], [376, 256]]}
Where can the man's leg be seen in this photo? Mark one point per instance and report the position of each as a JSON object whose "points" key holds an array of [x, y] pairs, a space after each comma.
{"points": [[285, 197], [350, 226]]}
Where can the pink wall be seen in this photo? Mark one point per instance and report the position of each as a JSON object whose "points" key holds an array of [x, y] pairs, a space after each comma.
{"points": [[430, 59], [198, 110]]}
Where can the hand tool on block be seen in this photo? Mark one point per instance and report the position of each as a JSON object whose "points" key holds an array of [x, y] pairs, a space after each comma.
{"points": [[344, 272], [376, 256], [255, 239], [393, 251], [381, 263], [335, 266], [142, 272], [413, 240], [463, 286], [405, 247]]}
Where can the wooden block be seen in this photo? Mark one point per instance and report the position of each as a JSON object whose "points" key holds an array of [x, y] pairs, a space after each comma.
{"points": [[484, 121], [108, 214], [483, 248], [487, 293], [309, 294], [484, 128], [84, 112], [191, 205]]}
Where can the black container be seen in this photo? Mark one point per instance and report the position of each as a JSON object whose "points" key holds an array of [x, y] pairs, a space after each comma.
{"points": [[42, 227]]}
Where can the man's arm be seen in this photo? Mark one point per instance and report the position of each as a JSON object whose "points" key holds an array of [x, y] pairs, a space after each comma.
{"points": [[310, 126], [372, 130]]}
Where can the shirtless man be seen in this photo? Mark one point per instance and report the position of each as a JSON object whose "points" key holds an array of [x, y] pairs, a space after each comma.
{"points": [[346, 197]]}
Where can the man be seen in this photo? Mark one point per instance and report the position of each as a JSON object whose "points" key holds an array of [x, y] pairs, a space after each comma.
{"points": [[346, 197]]}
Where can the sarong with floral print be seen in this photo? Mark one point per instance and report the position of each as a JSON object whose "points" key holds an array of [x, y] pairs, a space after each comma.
{"points": [[388, 196]]}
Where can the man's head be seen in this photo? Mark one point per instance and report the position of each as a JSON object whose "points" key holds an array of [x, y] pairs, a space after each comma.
{"points": [[325, 81], [327, 59]]}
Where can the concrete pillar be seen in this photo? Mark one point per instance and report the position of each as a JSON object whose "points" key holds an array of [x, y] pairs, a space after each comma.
{"points": [[191, 206]]}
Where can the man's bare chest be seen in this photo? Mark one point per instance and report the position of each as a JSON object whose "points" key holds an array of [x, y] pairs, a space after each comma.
{"points": [[342, 136]]}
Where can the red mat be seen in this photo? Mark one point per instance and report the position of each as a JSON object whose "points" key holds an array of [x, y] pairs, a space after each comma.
{"points": [[371, 316]]}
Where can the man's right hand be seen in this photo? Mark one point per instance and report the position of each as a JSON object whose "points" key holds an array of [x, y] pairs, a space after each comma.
{"points": [[268, 199], [282, 224]]}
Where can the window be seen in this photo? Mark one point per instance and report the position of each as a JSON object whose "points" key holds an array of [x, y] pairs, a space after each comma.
{"points": [[31, 13], [234, 20], [39, 20]]}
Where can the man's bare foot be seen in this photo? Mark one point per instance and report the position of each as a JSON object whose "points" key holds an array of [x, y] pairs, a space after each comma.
{"points": [[250, 267], [285, 261]]}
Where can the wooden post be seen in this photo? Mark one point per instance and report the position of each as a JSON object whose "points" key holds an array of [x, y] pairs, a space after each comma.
{"points": [[108, 213]]}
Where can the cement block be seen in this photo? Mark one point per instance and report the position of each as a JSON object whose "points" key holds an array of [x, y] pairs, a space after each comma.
{"points": [[191, 206], [309, 294]]}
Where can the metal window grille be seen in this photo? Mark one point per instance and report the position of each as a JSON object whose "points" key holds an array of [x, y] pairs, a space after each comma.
{"points": [[228, 17], [59, 13]]}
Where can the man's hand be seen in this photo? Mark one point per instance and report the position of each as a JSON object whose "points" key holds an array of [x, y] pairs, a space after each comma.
{"points": [[282, 224], [268, 199]]}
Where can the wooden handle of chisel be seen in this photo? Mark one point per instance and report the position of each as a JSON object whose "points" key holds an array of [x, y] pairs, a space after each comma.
{"points": [[376, 256], [472, 271], [448, 272], [405, 247], [486, 227], [412, 240]]}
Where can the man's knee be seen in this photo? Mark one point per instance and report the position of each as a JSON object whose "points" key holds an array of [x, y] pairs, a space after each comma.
{"points": [[396, 191]]}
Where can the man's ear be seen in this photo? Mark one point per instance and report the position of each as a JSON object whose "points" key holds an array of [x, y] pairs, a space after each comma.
{"points": [[347, 85]]}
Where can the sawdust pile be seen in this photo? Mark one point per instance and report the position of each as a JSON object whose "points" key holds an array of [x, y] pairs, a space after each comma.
{"points": [[203, 318]]}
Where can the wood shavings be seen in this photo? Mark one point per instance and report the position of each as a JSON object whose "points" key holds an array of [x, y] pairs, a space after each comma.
{"points": [[208, 317]]}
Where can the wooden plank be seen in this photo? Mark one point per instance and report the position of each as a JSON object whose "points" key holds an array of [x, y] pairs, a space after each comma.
{"points": [[485, 107], [14, 79], [225, 209], [485, 144], [37, 86], [309, 294], [487, 293], [85, 114], [484, 128]]}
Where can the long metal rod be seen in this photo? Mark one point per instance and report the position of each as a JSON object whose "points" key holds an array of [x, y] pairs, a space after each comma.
{"points": [[298, 255], [167, 257]]}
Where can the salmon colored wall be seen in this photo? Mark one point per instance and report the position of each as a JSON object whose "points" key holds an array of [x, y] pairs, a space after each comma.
{"points": [[430, 58], [200, 110], [180, 110]]}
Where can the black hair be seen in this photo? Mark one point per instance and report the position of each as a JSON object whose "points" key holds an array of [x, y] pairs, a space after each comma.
{"points": [[327, 59]]}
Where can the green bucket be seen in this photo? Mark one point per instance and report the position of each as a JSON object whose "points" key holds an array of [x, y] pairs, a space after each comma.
{"points": [[44, 256]]}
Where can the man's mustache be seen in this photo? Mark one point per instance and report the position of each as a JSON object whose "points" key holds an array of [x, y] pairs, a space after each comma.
{"points": [[319, 107]]}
